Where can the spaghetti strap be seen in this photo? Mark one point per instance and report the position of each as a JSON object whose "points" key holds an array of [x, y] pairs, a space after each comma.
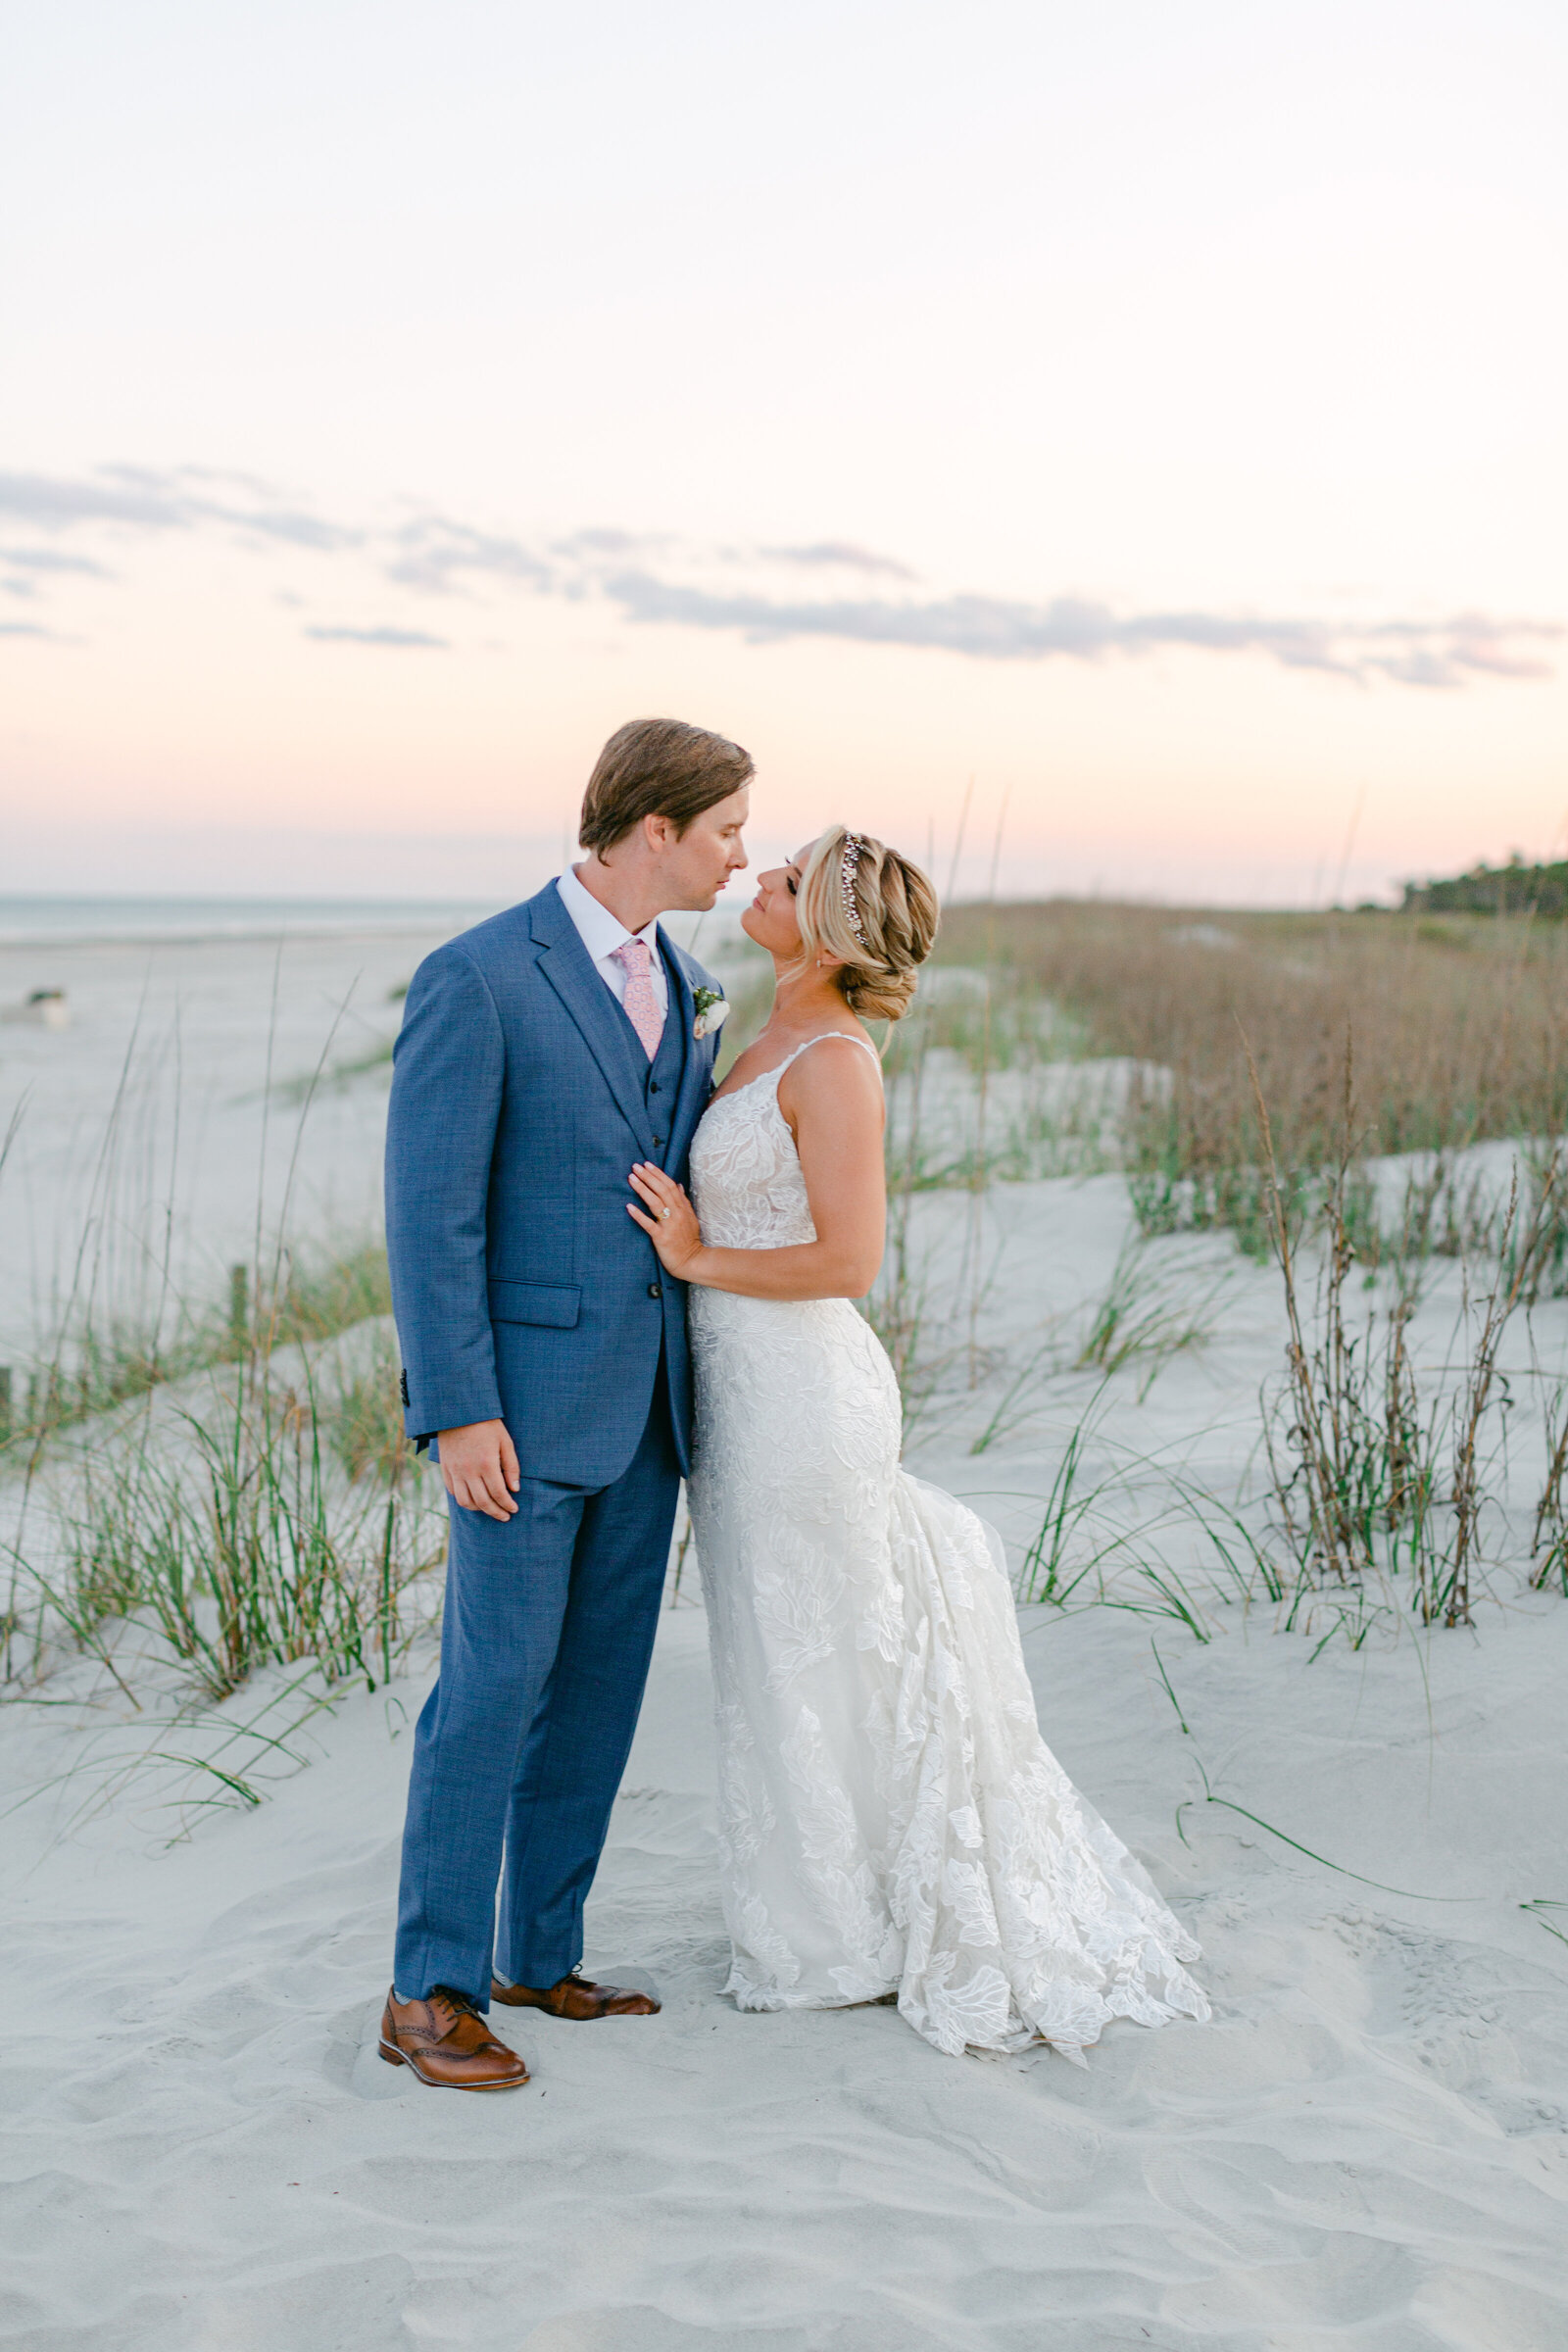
{"points": [[816, 1041]]}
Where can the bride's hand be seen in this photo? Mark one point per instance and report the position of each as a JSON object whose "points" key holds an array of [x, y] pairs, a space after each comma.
{"points": [[669, 1221]]}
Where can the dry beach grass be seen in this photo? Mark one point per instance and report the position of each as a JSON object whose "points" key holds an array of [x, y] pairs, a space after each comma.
{"points": [[1260, 1075], [1459, 1028]]}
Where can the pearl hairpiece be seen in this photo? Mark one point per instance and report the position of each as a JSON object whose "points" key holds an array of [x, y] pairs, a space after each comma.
{"points": [[851, 860]]}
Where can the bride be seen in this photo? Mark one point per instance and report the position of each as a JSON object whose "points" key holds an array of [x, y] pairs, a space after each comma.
{"points": [[891, 1822]]}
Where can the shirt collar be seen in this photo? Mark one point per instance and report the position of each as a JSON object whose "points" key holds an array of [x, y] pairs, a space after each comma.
{"points": [[602, 932]]}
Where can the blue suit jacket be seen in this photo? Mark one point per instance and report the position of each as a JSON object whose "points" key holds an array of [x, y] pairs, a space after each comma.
{"points": [[521, 1287]]}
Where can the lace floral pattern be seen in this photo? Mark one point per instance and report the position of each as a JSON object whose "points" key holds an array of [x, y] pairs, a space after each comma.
{"points": [[890, 1819]]}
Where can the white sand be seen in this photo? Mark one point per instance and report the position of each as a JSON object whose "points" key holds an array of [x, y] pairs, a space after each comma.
{"points": [[1367, 2147]]}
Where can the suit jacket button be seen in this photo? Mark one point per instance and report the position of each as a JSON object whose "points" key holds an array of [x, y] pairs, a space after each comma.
{"points": [[653, 1085], [658, 1142], [655, 1291]]}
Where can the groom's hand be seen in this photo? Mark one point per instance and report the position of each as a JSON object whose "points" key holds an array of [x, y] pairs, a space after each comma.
{"points": [[479, 1464]]}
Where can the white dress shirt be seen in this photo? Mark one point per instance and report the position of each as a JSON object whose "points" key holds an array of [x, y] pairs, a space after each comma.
{"points": [[602, 933]]}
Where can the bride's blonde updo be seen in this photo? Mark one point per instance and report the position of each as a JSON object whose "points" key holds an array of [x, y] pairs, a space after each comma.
{"points": [[876, 910]]}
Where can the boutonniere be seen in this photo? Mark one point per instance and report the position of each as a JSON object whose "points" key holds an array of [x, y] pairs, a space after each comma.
{"points": [[713, 1011]]}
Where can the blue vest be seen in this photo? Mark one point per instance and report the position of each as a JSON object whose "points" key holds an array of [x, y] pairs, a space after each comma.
{"points": [[662, 1084]]}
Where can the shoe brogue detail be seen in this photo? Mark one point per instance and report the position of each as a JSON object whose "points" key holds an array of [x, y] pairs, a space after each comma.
{"points": [[447, 2044]]}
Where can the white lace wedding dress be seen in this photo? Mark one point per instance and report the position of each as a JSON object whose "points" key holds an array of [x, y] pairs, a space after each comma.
{"points": [[890, 1819]]}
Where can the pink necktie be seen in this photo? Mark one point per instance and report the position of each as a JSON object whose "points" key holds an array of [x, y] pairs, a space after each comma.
{"points": [[642, 1005]]}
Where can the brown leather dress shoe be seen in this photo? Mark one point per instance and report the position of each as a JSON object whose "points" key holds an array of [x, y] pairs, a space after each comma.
{"points": [[448, 2044], [576, 1996]]}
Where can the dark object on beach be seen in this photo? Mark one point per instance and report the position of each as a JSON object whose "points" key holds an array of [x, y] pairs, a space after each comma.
{"points": [[41, 1007]]}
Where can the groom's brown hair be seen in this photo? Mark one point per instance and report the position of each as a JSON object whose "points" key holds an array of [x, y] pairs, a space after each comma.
{"points": [[658, 768]]}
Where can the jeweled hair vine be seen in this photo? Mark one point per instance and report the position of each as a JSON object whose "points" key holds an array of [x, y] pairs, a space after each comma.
{"points": [[848, 865]]}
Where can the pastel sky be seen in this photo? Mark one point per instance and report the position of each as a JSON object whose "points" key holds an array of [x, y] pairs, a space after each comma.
{"points": [[1154, 414]]}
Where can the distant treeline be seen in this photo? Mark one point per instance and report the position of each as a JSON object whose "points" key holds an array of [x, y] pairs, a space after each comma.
{"points": [[1511, 889]]}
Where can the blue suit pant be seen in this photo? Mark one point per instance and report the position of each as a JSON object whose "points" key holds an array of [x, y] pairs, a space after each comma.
{"points": [[545, 1647]]}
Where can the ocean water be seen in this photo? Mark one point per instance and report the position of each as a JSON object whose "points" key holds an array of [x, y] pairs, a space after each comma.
{"points": [[35, 920], [28, 919]]}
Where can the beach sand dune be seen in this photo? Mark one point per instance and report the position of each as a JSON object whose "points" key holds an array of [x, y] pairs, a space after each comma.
{"points": [[1366, 2150], [1367, 2147]]}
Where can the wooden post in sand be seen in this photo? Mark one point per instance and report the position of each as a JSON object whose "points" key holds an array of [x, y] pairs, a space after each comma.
{"points": [[239, 1315]]}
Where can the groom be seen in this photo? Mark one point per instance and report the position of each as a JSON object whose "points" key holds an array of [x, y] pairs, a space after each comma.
{"points": [[544, 1349]]}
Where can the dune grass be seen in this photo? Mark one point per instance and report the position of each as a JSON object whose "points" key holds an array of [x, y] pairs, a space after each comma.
{"points": [[1458, 1028], [231, 1478], [1151, 1311], [1274, 1065], [262, 1510], [99, 1360], [200, 1487]]}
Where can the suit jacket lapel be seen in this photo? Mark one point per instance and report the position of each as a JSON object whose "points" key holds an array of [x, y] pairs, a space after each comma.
{"points": [[698, 1063], [567, 966]]}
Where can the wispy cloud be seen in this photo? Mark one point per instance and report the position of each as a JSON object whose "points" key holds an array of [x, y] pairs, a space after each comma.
{"points": [[1471, 641], [140, 497], [590, 546], [50, 505], [23, 628], [839, 555], [990, 628], [436, 554], [377, 636], [52, 559], [763, 593]]}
